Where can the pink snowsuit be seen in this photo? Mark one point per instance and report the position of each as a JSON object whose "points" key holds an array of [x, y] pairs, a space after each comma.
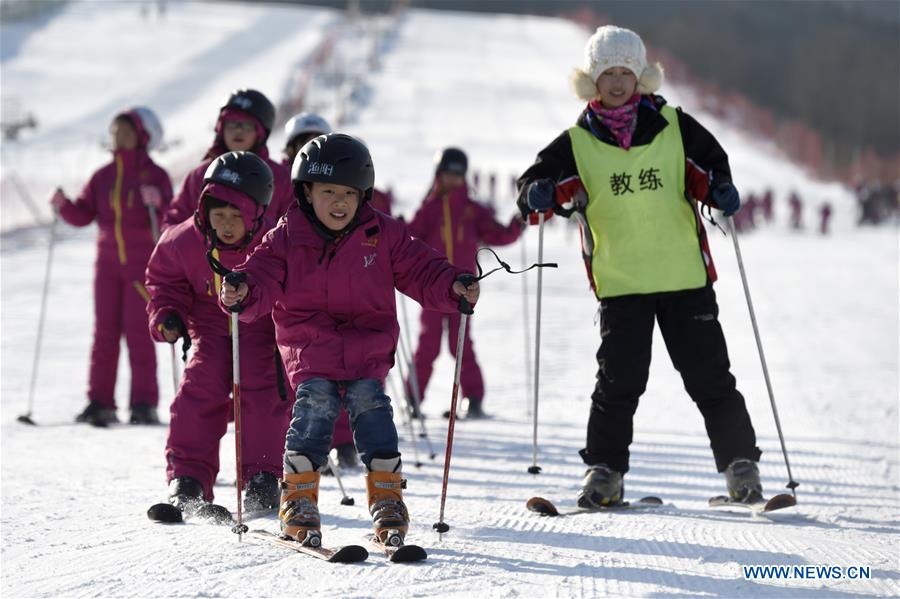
{"points": [[455, 225], [124, 241], [333, 302], [180, 280]]}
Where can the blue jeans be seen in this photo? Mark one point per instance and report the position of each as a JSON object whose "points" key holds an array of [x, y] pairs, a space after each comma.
{"points": [[317, 406]]}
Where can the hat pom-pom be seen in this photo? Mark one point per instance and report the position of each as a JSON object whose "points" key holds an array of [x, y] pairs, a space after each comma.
{"points": [[583, 85], [651, 79]]}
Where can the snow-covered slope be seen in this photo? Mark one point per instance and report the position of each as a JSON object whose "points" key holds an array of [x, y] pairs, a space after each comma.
{"points": [[74, 498]]}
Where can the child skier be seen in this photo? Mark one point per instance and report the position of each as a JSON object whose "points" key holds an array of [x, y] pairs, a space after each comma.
{"points": [[229, 223], [122, 197], [244, 124], [329, 270], [631, 170], [454, 224], [299, 129]]}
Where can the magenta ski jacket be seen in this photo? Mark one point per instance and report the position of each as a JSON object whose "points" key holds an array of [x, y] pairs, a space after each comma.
{"points": [[333, 300], [456, 225], [112, 197], [185, 203], [180, 279]]}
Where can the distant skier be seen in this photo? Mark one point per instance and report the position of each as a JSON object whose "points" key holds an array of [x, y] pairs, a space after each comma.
{"points": [[244, 124], [796, 205], [119, 197], [825, 217], [456, 225], [230, 220], [631, 170], [329, 270]]}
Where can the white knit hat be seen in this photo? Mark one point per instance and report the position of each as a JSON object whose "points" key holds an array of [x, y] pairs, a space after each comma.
{"points": [[612, 46]]}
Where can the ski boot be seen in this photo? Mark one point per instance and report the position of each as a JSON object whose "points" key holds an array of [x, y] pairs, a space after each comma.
{"points": [[742, 478], [144, 414], [262, 493], [384, 484], [473, 409], [96, 414], [299, 512], [186, 494], [602, 486]]}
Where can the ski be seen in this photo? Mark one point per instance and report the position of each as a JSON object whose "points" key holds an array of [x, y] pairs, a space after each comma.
{"points": [[208, 512], [545, 507], [401, 553], [348, 554], [762, 506]]}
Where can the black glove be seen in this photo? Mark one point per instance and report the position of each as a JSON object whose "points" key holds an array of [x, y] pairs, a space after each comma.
{"points": [[541, 196], [173, 322], [726, 198]]}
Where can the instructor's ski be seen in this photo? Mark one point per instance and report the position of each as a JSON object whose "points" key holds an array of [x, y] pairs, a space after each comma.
{"points": [[348, 554], [762, 506], [207, 512], [399, 554], [545, 507]]}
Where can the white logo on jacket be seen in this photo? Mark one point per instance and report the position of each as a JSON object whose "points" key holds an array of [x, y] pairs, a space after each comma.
{"points": [[368, 260]]}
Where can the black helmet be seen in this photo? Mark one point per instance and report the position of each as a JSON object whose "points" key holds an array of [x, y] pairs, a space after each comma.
{"points": [[334, 158], [452, 160], [255, 104], [245, 172]]}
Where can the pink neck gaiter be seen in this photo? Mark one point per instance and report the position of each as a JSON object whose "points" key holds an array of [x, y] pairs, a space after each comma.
{"points": [[620, 121]]}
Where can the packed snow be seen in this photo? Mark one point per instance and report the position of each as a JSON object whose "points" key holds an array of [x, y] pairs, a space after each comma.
{"points": [[74, 498]]}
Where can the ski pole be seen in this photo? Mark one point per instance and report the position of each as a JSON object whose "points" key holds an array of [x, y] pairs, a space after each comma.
{"points": [[410, 413], [26, 417], [345, 500], [235, 279], [792, 484], [413, 375], [407, 419], [534, 468], [465, 309], [525, 329], [415, 410], [154, 228]]}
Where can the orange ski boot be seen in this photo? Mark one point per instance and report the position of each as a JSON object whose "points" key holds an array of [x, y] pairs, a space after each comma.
{"points": [[299, 511], [384, 484]]}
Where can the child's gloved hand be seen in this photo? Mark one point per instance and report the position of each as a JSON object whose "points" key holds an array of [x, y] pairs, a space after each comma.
{"points": [[151, 196], [470, 293], [233, 295], [173, 327], [58, 200], [727, 198], [541, 196]]}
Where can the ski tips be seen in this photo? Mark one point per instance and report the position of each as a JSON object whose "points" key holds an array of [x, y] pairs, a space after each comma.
{"points": [[542, 506], [26, 419], [165, 513]]}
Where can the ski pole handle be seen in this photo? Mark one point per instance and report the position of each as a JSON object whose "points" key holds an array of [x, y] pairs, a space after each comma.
{"points": [[235, 279], [464, 306]]}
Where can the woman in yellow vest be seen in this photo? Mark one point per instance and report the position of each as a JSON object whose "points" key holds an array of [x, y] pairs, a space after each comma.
{"points": [[631, 171]]}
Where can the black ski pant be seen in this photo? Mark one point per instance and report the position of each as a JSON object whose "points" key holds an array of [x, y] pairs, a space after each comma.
{"points": [[688, 321]]}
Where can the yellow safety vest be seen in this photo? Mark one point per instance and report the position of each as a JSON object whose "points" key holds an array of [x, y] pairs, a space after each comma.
{"points": [[644, 231]]}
